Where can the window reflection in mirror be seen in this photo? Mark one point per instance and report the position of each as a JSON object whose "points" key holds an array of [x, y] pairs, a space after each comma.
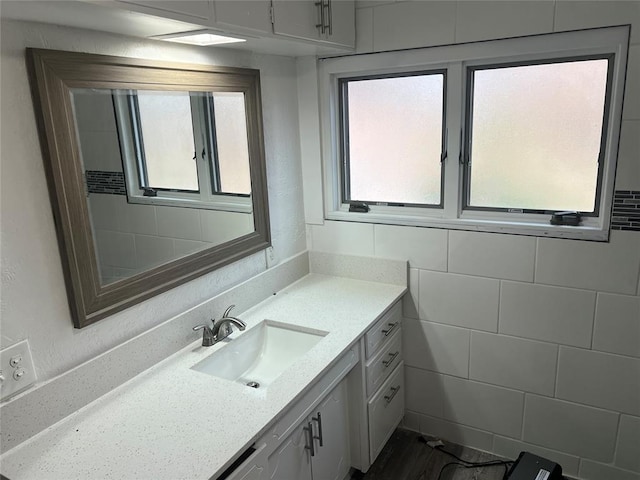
{"points": [[167, 174]]}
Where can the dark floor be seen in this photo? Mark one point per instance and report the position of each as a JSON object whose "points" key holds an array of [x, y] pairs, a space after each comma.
{"points": [[406, 458]]}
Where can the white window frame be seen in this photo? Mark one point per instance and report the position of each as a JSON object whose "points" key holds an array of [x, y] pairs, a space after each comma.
{"points": [[455, 59], [205, 198]]}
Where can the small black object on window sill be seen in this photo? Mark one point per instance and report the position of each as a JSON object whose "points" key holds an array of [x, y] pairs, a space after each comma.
{"points": [[566, 218], [359, 207], [149, 192]]}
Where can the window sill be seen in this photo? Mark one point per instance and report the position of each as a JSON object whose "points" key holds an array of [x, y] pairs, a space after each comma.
{"points": [[537, 229], [236, 204]]}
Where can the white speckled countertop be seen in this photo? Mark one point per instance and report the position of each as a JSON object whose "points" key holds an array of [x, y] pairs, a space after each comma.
{"points": [[176, 423]]}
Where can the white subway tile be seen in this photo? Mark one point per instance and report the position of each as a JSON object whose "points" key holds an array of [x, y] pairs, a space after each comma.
{"points": [[500, 19], [364, 30], [597, 471], [513, 362], [570, 428], [219, 227], [94, 112], [413, 24], [553, 314], [411, 299], [152, 251], [423, 391], [436, 347], [138, 218], [617, 324], [460, 300], [604, 266], [511, 257], [599, 379], [186, 247], [631, 109], [456, 433], [175, 222], [628, 448], [411, 421], [575, 15], [343, 237], [510, 448], [425, 248], [628, 168], [483, 406], [116, 249], [100, 151], [105, 211]]}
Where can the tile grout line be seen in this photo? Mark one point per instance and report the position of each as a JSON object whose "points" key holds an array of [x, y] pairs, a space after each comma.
{"points": [[593, 320]]}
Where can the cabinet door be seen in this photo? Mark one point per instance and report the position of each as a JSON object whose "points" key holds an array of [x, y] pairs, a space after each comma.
{"points": [[297, 18], [254, 15], [342, 22], [331, 460], [291, 461], [198, 9]]}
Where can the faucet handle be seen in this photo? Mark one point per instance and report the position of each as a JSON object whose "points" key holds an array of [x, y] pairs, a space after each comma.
{"points": [[207, 335], [227, 311]]}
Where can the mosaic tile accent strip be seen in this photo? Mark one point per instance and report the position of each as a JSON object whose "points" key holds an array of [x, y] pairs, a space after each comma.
{"points": [[626, 210], [111, 183]]}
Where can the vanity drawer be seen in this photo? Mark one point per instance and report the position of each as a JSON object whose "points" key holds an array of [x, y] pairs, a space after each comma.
{"points": [[382, 364], [385, 411], [381, 331]]}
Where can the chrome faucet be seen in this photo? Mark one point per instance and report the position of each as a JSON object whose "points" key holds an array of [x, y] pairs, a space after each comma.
{"points": [[221, 329]]}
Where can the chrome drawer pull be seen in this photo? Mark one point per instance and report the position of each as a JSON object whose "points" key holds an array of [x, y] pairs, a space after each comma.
{"points": [[394, 390], [390, 361], [319, 420], [389, 330], [309, 428]]}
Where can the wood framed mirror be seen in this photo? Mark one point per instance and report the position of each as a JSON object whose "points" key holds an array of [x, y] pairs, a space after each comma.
{"points": [[156, 172]]}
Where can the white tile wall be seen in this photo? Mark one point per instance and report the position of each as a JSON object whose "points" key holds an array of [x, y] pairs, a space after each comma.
{"points": [[513, 362], [136, 218], [460, 300], [104, 211], [219, 227], [559, 315], [185, 247], [436, 347], [411, 301], [574, 15], [424, 391], [152, 251], [628, 452], [500, 19], [425, 248], [364, 30], [510, 448], [604, 266], [100, 151], [487, 407], [511, 257], [407, 24], [567, 427], [116, 249], [628, 169], [343, 237], [178, 222], [631, 108], [617, 324], [597, 471], [599, 379]]}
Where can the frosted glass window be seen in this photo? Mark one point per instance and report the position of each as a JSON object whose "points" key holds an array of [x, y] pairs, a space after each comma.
{"points": [[167, 134], [393, 139], [536, 133], [232, 142]]}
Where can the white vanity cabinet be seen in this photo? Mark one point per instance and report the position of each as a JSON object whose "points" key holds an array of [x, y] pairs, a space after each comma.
{"points": [[325, 21], [253, 16], [318, 448]]}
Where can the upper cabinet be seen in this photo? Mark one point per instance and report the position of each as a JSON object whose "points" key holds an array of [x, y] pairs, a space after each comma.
{"points": [[326, 21], [252, 15], [197, 11]]}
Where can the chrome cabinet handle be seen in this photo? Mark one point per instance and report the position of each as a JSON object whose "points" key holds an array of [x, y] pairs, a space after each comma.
{"points": [[319, 420], [321, 25], [394, 391], [309, 428], [390, 361], [330, 15], [389, 330]]}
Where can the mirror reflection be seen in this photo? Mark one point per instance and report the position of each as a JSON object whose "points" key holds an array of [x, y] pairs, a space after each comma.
{"points": [[166, 174]]}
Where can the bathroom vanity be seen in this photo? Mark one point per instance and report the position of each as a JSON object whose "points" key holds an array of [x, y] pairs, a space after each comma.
{"points": [[332, 408]]}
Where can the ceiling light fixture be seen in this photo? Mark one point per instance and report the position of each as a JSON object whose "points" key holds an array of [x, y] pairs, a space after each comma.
{"points": [[199, 37]]}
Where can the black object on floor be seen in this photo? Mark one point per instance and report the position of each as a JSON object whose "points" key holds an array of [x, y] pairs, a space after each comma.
{"points": [[531, 467]]}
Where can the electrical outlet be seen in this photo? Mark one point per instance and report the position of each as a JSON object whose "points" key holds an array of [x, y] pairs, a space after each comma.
{"points": [[271, 257], [16, 369]]}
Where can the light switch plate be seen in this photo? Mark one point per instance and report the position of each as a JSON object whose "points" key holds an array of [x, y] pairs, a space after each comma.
{"points": [[16, 369]]}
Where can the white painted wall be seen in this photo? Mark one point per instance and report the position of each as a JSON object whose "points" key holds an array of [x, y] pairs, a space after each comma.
{"points": [[512, 343], [33, 304]]}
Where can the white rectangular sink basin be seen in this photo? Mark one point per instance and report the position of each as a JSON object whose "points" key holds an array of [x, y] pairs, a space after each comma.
{"points": [[257, 357]]}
